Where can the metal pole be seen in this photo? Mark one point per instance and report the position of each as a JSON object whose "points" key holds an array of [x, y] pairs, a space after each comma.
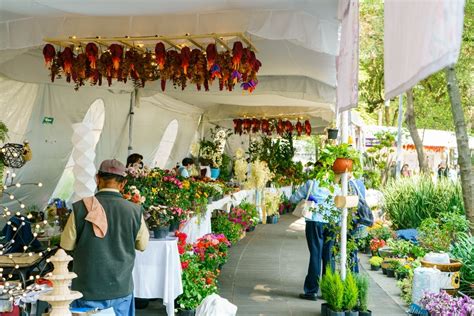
{"points": [[344, 185], [130, 123], [399, 136]]}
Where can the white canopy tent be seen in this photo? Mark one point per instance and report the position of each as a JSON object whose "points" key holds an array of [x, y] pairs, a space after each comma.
{"points": [[297, 43]]}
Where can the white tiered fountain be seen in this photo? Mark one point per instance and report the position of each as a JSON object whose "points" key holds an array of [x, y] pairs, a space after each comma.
{"points": [[61, 297]]}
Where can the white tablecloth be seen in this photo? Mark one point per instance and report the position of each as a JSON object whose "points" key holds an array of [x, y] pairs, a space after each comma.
{"points": [[199, 226], [157, 272]]}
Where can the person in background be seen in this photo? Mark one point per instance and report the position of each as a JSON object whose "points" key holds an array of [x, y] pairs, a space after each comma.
{"points": [[442, 170], [135, 159], [319, 236], [356, 187], [405, 172], [187, 164], [103, 232]]}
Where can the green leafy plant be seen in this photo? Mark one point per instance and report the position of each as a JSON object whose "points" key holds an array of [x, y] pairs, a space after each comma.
{"points": [[363, 291], [252, 212], [463, 250], [408, 201], [222, 225], [351, 292], [406, 287], [401, 248], [330, 153], [198, 283], [334, 290], [376, 261], [437, 234]]}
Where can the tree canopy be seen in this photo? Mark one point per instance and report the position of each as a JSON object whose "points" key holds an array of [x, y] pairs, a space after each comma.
{"points": [[431, 100]]}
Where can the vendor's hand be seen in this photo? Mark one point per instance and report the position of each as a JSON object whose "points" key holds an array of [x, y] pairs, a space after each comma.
{"points": [[312, 199]]}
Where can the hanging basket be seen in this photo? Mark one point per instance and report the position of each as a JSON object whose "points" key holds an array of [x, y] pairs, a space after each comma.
{"points": [[332, 133], [342, 165]]}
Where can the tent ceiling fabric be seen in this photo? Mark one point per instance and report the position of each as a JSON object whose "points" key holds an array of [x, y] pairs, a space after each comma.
{"points": [[297, 42]]}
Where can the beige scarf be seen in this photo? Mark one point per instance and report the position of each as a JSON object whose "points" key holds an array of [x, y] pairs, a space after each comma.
{"points": [[96, 216]]}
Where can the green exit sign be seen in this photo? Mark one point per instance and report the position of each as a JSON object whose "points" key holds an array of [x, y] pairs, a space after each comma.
{"points": [[48, 120]]}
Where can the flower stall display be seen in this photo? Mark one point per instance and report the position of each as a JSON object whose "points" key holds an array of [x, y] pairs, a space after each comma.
{"points": [[91, 64], [272, 204], [212, 250], [158, 220], [259, 175], [222, 225], [198, 282], [442, 304], [242, 217], [252, 214]]}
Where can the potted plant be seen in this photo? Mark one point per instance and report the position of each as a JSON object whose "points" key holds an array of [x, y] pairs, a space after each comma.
{"points": [[158, 221], [375, 263], [272, 202], [346, 158], [350, 295], [332, 133], [392, 264], [363, 287], [334, 293], [375, 245], [402, 271]]}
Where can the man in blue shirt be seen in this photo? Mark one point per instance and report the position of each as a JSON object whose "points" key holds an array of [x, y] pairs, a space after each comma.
{"points": [[319, 235], [183, 171]]}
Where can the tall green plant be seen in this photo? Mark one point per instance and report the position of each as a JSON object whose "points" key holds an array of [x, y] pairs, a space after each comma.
{"points": [[410, 200], [351, 293], [363, 290], [334, 290], [463, 250]]}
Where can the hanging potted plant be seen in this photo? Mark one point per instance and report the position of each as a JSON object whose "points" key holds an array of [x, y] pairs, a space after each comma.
{"points": [[332, 132], [158, 220], [375, 263], [346, 158], [350, 296], [363, 290]]}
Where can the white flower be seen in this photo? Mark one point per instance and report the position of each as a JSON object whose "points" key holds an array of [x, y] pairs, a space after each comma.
{"points": [[239, 153]]}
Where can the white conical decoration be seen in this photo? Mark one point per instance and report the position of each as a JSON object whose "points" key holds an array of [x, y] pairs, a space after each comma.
{"points": [[61, 297], [83, 154]]}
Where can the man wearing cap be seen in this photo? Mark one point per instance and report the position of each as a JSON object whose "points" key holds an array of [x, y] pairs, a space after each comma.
{"points": [[103, 232]]}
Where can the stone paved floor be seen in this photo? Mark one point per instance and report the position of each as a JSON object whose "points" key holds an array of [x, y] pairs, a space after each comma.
{"points": [[266, 270]]}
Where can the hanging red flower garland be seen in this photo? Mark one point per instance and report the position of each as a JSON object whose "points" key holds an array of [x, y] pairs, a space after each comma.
{"points": [[247, 126], [180, 67]]}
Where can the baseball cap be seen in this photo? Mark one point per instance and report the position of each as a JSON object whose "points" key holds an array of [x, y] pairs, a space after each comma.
{"points": [[113, 166]]}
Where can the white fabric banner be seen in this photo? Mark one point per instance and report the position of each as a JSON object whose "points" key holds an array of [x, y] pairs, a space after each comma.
{"points": [[347, 63], [421, 38]]}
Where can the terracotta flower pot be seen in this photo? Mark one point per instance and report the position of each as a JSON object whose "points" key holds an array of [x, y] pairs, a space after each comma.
{"points": [[342, 165]]}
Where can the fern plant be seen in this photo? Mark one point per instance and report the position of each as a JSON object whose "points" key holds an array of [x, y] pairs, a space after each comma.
{"points": [[351, 293]]}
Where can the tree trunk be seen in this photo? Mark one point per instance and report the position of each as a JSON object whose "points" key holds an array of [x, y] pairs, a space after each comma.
{"points": [[411, 122], [387, 113], [464, 155]]}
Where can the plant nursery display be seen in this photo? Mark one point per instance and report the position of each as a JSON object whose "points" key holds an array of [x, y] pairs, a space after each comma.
{"points": [[375, 263], [408, 201]]}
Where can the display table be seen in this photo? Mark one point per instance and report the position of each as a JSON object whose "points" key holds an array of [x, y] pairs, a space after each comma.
{"points": [[199, 226], [157, 272]]}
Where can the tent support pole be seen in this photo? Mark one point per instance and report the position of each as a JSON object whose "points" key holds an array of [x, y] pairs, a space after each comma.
{"points": [[344, 185], [130, 122], [399, 135]]}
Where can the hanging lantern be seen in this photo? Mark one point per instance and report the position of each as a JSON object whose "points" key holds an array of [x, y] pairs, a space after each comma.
{"points": [[238, 126], [299, 128], [307, 127]]}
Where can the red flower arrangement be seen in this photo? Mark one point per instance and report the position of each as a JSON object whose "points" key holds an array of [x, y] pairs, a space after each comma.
{"points": [[212, 250], [180, 67], [247, 126], [181, 243], [376, 244]]}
